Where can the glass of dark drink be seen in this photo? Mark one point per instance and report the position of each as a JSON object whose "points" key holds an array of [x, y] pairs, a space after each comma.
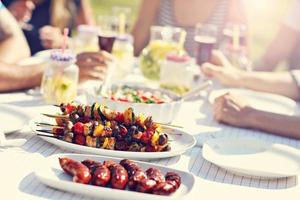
{"points": [[205, 41], [106, 36], [106, 41]]}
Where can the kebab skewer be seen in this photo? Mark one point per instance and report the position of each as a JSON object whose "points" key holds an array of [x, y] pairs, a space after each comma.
{"points": [[99, 127]]}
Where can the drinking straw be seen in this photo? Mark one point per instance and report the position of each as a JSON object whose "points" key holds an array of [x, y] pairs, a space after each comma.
{"points": [[182, 40], [122, 23], [65, 39], [236, 36]]}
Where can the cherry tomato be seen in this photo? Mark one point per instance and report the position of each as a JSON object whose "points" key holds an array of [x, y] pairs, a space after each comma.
{"points": [[70, 108], [123, 130], [144, 98], [120, 117], [145, 137], [160, 101], [78, 128], [79, 139], [124, 99]]}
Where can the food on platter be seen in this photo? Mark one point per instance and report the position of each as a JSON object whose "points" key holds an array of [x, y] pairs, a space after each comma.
{"points": [[124, 175], [100, 127], [126, 93]]}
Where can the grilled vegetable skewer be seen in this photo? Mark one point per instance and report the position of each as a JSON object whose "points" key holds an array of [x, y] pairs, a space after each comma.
{"points": [[99, 127]]}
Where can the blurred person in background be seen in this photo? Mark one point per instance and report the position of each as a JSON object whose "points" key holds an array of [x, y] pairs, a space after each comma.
{"points": [[13, 77], [42, 21], [185, 14], [14, 48], [286, 44], [234, 110]]}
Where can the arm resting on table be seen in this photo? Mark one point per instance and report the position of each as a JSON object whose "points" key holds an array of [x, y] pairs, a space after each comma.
{"points": [[13, 77], [283, 125], [281, 83]]}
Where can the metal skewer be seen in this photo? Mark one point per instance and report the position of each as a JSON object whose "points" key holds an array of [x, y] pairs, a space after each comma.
{"points": [[169, 125], [50, 125], [55, 116], [51, 136]]}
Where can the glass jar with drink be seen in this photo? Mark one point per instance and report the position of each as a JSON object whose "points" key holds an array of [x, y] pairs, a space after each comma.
{"points": [[60, 79], [205, 41], [175, 66], [163, 40], [86, 39], [124, 54]]}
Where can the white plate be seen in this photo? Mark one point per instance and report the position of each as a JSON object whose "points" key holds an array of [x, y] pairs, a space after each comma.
{"points": [[253, 157], [12, 118], [51, 174], [261, 101], [179, 145]]}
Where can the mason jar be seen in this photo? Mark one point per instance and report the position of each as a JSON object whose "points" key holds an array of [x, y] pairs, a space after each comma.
{"points": [[163, 40], [60, 79], [177, 73]]}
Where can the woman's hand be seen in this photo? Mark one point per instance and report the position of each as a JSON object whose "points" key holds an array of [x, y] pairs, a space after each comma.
{"points": [[221, 69], [92, 65], [51, 37], [22, 10], [233, 110]]}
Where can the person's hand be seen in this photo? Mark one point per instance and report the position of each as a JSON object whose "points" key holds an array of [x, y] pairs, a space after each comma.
{"points": [[221, 69], [92, 65], [51, 37], [22, 10], [232, 110]]}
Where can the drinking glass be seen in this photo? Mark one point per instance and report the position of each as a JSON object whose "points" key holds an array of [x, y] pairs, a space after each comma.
{"points": [[106, 36], [120, 22], [205, 41], [234, 45]]}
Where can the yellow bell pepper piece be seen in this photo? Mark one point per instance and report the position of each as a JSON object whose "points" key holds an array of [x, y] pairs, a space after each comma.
{"points": [[98, 130], [105, 143], [155, 138]]}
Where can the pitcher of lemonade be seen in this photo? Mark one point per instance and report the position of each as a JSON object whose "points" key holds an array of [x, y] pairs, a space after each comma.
{"points": [[163, 40], [60, 79]]}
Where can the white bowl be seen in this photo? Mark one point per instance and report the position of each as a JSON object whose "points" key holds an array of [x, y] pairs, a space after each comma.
{"points": [[163, 113]]}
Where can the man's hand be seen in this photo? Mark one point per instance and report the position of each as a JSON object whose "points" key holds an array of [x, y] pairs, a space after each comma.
{"points": [[92, 65], [233, 110], [22, 10], [51, 37]]}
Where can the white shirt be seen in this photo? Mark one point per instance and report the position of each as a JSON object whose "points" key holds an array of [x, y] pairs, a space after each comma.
{"points": [[292, 18]]}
